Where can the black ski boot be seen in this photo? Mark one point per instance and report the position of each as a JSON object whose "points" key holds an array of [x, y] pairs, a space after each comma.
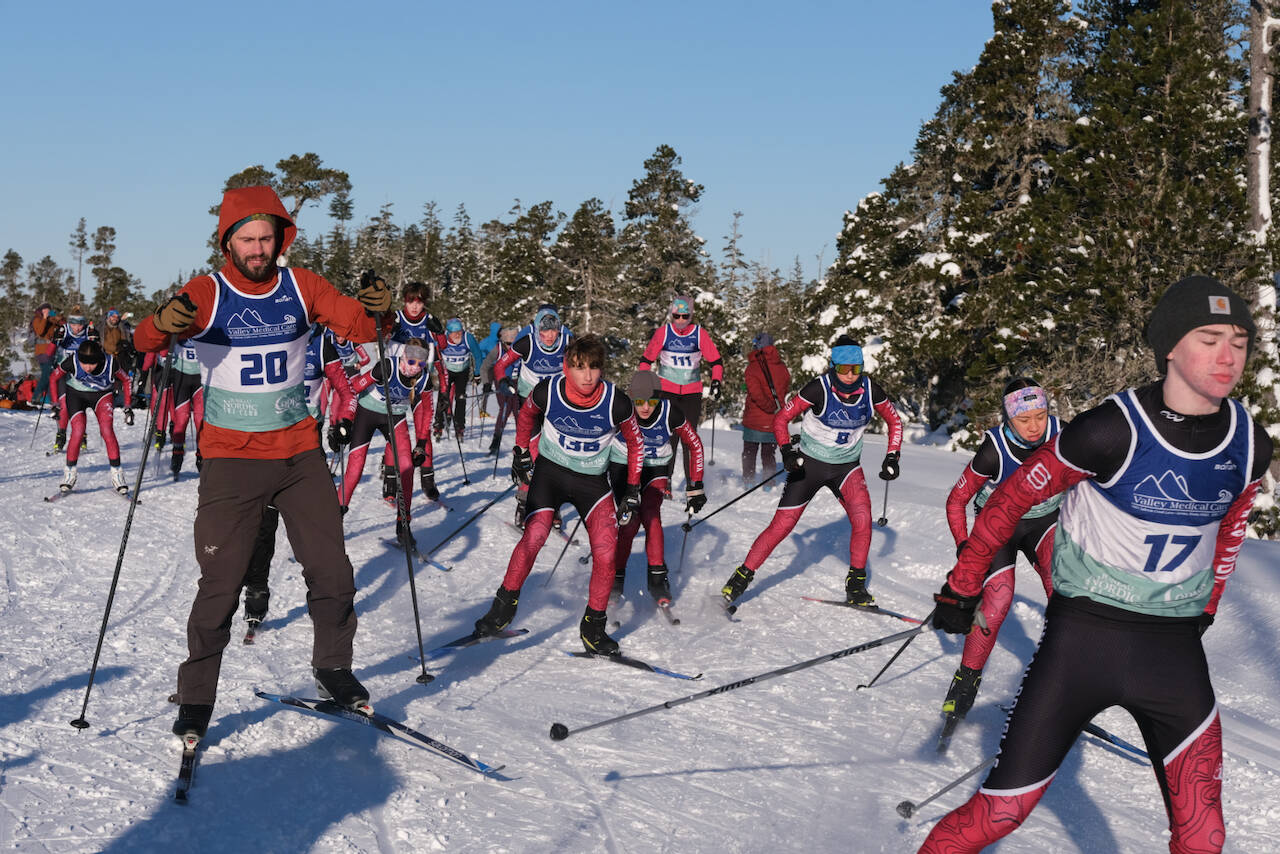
{"points": [[59, 440], [340, 685], [855, 588], [494, 446], [193, 719], [659, 586], [159, 439], [737, 583], [255, 604], [963, 690], [519, 513], [501, 612], [591, 630], [429, 484], [175, 465], [389, 483]]}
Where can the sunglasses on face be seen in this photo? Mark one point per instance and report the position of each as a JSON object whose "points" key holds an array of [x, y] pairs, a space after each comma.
{"points": [[849, 369], [680, 317], [413, 363], [648, 401]]}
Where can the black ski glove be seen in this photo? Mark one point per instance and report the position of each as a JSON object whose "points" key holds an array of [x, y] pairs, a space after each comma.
{"points": [[629, 504], [791, 459], [420, 455], [715, 389], [521, 466], [694, 497], [374, 294], [889, 468], [128, 416], [953, 613], [340, 434], [429, 485]]}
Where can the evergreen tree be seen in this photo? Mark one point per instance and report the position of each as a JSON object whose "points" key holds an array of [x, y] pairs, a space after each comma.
{"points": [[79, 244], [104, 249], [585, 274]]}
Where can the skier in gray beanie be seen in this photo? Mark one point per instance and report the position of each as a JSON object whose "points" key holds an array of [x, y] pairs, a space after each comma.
{"points": [[1189, 304]]}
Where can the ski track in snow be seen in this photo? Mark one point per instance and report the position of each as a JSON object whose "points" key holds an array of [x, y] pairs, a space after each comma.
{"points": [[802, 762]]}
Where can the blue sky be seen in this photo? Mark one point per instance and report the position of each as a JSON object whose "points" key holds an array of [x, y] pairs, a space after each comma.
{"points": [[133, 114]]}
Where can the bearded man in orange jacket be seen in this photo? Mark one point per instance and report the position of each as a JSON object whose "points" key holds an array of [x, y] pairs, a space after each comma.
{"points": [[249, 323]]}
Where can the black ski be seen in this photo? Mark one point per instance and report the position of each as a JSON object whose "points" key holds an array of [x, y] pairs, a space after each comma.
{"points": [[636, 663], [387, 726], [418, 555], [188, 767], [665, 607], [61, 493], [870, 609], [950, 721], [473, 639]]}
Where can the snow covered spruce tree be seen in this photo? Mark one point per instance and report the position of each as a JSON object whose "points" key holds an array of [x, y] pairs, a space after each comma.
{"points": [[585, 275], [661, 254]]}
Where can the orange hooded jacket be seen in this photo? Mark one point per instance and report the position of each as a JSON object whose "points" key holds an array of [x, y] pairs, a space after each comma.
{"points": [[344, 315]]}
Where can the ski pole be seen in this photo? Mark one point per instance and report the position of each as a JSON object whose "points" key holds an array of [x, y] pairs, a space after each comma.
{"points": [[905, 644], [688, 526], [461, 459], [712, 461], [401, 503], [684, 540], [80, 722], [501, 495], [559, 732], [906, 808], [884, 519], [567, 543], [32, 443]]}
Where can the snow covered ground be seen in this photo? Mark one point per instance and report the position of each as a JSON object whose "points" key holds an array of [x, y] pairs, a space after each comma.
{"points": [[804, 762]]}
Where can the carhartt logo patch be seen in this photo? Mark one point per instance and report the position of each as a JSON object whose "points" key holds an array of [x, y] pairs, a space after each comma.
{"points": [[1219, 305]]}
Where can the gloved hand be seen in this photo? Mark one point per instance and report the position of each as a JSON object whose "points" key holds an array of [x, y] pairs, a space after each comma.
{"points": [[488, 387], [889, 468], [505, 386], [419, 455], [1203, 622], [340, 434], [128, 416], [475, 381], [953, 613], [429, 485], [715, 389], [521, 466], [629, 504], [694, 497], [175, 315], [960, 547], [374, 294], [791, 459]]}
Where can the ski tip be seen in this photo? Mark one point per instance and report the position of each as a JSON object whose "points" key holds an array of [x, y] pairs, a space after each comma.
{"points": [[559, 732]]}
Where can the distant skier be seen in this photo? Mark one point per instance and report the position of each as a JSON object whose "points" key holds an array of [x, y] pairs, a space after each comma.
{"points": [[659, 422], [1025, 425], [413, 320], [581, 413], [540, 354], [837, 407], [90, 376], [504, 385], [406, 373], [184, 397], [679, 347], [1159, 482], [67, 340], [460, 357]]}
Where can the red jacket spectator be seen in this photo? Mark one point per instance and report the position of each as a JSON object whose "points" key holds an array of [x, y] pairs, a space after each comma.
{"points": [[764, 364]]}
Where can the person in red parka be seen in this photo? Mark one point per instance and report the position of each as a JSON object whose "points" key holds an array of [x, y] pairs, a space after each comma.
{"points": [[768, 382]]}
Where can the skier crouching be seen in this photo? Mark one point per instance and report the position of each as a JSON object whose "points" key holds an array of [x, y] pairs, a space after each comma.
{"points": [[581, 413]]}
